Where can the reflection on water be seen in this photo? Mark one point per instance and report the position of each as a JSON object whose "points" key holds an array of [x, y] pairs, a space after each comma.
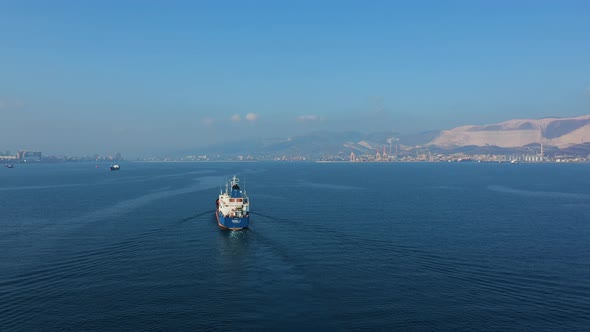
{"points": [[233, 243]]}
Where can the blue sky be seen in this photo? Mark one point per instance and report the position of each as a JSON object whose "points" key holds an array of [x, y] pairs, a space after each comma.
{"points": [[143, 77]]}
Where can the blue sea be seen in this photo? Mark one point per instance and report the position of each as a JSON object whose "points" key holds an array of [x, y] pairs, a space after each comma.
{"points": [[331, 246]]}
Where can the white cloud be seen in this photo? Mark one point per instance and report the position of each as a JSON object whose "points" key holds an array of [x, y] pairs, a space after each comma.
{"points": [[308, 118], [11, 105], [251, 116], [208, 121], [235, 117]]}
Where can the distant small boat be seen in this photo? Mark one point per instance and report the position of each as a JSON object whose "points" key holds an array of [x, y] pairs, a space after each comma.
{"points": [[9, 165], [114, 167], [514, 162]]}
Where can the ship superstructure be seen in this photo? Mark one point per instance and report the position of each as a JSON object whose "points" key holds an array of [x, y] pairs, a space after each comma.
{"points": [[233, 206]]}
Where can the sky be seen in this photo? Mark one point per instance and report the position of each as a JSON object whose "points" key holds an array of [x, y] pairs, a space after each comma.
{"points": [[145, 77]]}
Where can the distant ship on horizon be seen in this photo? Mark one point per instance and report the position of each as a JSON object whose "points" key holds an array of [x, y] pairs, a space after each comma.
{"points": [[114, 167], [233, 207]]}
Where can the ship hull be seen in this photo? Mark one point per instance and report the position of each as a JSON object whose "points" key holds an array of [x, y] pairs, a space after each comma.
{"points": [[231, 223]]}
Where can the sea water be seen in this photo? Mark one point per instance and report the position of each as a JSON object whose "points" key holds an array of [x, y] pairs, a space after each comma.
{"points": [[332, 246]]}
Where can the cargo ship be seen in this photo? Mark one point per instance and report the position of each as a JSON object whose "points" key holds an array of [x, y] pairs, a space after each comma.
{"points": [[233, 206]]}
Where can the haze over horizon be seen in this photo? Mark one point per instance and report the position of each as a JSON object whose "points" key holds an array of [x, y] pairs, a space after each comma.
{"points": [[145, 77]]}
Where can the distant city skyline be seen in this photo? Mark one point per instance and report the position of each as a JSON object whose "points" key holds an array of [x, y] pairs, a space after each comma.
{"points": [[145, 77]]}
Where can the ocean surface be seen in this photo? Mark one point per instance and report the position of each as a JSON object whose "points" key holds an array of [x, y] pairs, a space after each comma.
{"points": [[332, 246]]}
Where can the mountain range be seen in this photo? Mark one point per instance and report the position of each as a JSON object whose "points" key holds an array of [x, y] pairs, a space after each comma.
{"points": [[557, 134]]}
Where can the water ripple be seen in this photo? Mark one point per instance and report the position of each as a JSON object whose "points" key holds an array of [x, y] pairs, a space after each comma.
{"points": [[533, 193]]}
